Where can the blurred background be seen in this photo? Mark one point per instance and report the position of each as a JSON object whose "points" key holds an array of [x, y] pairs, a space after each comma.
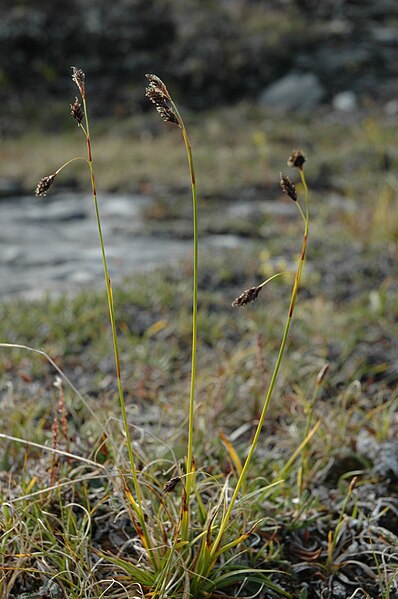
{"points": [[211, 53], [254, 79]]}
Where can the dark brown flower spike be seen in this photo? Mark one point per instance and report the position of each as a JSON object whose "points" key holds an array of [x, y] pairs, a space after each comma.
{"points": [[78, 76], [77, 111], [44, 185], [155, 82], [297, 159], [159, 95], [248, 296], [288, 187], [171, 484], [322, 373]]}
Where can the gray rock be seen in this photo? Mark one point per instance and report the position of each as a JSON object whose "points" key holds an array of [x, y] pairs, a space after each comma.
{"points": [[391, 108], [345, 101], [385, 35], [383, 455], [386, 462], [296, 91], [51, 244]]}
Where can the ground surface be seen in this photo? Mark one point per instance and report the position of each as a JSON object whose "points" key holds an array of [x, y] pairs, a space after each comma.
{"points": [[329, 536]]}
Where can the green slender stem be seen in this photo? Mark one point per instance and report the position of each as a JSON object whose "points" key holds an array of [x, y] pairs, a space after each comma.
{"points": [[69, 161], [226, 517], [194, 317], [159, 95], [189, 464], [301, 212], [278, 274], [299, 450], [137, 489], [310, 409], [310, 416], [337, 528]]}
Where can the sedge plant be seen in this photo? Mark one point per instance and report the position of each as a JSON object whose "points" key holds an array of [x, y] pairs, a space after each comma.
{"points": [[210, 550], [80, 114], [213, 549], [159, 95], [189, 551]]}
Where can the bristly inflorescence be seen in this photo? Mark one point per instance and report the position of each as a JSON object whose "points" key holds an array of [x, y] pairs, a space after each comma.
{"points": [[171, 484], [297, 159], [44, 185], [322, 373], [78, 76], [159, 95], [77, 111], [248, 296], [288, 187]]}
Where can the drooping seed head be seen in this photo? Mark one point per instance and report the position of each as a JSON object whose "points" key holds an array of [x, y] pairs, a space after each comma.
{"points": [[155, 81], [248, 296], [297, 159], [322, 373], [77, 111], [288, 187], [44, 185], [78, 76], [159, 95], [171, 484]]}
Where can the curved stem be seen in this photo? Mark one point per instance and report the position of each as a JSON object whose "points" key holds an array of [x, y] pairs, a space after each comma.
{"points": [[69, 161], [189, 464], [226, 517], [138, 503], [191, 415], [278, 274], [301, 212]]}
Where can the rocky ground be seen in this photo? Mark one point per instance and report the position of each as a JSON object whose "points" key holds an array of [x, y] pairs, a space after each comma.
{"points": [[51, 245]]}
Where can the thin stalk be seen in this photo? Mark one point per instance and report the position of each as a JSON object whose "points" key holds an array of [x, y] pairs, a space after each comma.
{"points": [[194, 321], [334, 535], [278, 274], [137, 489], [159, 95], [299, 450], [226, 517], [191, 416], [302, 471], [69, 161], [310, 409]]}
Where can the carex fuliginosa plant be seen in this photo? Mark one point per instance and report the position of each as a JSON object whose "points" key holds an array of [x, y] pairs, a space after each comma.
{"points": [[159, 95], [191, 546], [79, 112]]}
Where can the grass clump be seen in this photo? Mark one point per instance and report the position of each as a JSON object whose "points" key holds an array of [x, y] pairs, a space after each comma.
{"points": [[150, 504]]}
